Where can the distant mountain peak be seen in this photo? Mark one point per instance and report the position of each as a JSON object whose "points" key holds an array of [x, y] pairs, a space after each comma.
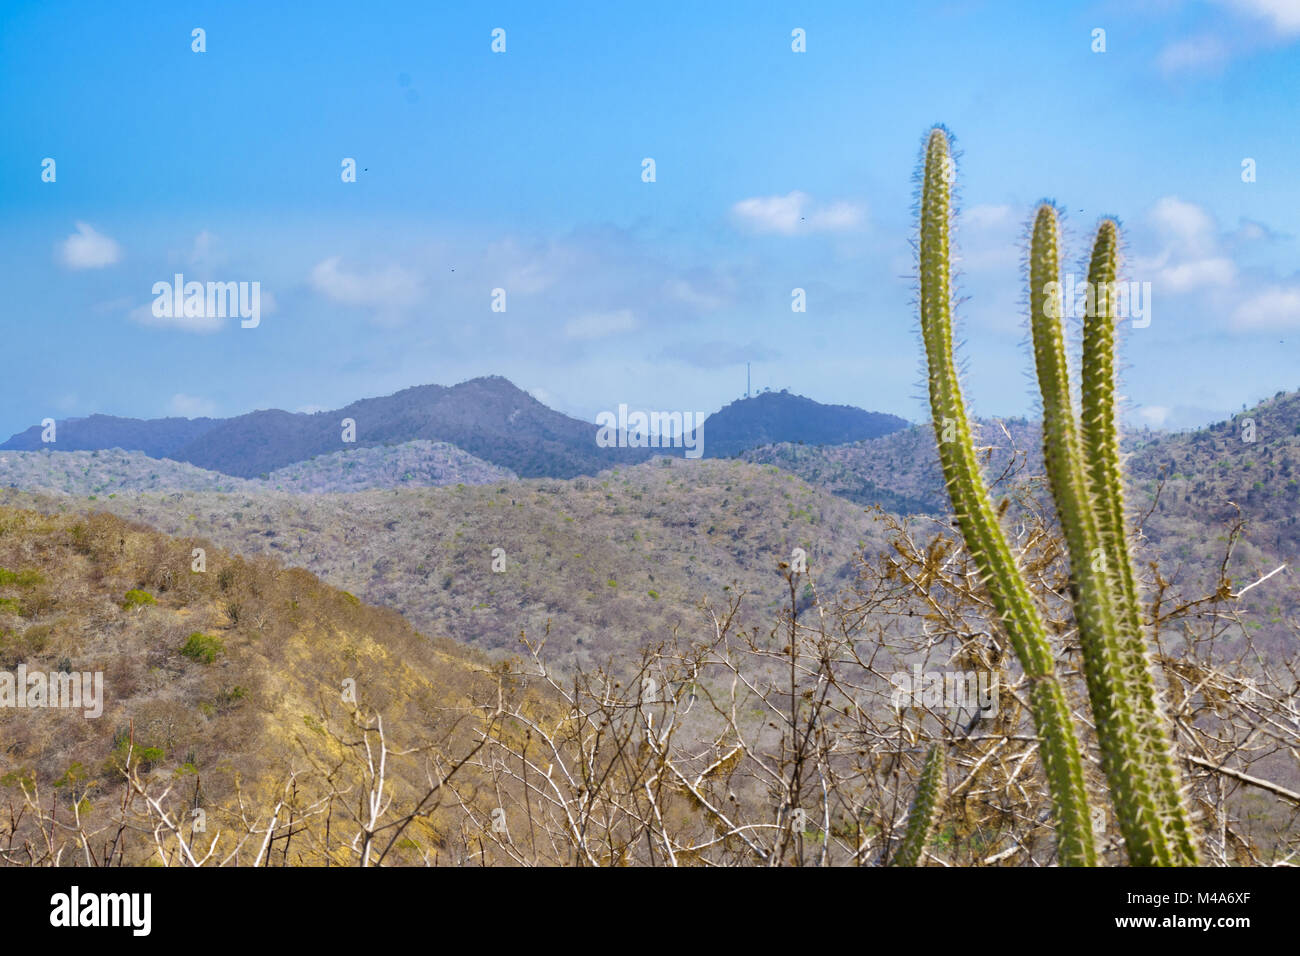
{"points": [[773, 417]]}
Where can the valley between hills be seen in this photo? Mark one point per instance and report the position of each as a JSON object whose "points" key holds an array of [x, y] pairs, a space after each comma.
{"points": [[632, 548]]}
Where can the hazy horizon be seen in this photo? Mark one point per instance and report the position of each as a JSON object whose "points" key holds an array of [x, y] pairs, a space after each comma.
{"points": [[1032, 414]]}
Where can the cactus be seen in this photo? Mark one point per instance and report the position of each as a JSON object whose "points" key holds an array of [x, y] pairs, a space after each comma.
{"points": [[1135, 747], [924, 812], [1101, 452], [1116, 702], [976, 519]]}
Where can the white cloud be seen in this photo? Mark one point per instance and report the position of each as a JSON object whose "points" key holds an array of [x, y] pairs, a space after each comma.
{"points": [[205, 253], [1198, 274], [1263, 23], [1195, 53], [836, 217], [1195, 255], [1190, 256], [528, 268], [390, 290], [201, 324], [1276, 307], [1183, 223], [771, 213], [190, 406], [795, 213], [599, 325], [1282, 15], [1153, 415], [703, 299], [88, 249], [1178, 417], [590, 285], [1251, 231]]}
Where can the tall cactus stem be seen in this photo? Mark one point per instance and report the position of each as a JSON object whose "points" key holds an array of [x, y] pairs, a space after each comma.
{"points": [[1100, 445], [976, 518], [1114, 700]]}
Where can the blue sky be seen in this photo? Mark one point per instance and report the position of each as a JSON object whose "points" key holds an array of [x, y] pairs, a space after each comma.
{"points": [[522, 170]]}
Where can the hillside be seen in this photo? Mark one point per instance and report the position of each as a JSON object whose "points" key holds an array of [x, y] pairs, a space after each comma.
{"points": [[220, 674], [415, 463], [92, 474], [621, 557], [214, 683], [1192, 483], [634, 549], [899, 471], [428, 552], [1187, 490], [773, 417], [1247, 465]]}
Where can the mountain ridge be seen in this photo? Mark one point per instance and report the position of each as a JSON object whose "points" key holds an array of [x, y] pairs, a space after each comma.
{"points": [[488, 417]]}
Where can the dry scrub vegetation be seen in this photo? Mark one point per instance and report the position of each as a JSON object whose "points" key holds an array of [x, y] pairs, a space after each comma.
{"points": [[723, 742], [783, 745], [224, 693], [613, 561]]}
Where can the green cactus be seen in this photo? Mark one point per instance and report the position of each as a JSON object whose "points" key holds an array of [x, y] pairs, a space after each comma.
{"points": [[1101, 452], [1135, 747], [978, 524], [1116, 701], [924, 812]]}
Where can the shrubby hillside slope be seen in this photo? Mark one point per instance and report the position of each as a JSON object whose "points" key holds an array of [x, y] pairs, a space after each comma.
{"points": [[612, 561], [103, 473], [217, 685]]}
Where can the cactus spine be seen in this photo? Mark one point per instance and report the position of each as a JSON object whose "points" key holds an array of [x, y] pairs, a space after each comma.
{"points": [[1135, 747], [976, 519]]}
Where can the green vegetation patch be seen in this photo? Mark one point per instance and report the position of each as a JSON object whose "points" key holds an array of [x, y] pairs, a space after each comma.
{"points": [[22, 579], [203, 648], [137, 598]]}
